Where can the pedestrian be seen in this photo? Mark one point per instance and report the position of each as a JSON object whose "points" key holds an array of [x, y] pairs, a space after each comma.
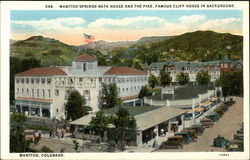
{"points": [[162, 131], [50, 133], [116, 140], [62, 133]]}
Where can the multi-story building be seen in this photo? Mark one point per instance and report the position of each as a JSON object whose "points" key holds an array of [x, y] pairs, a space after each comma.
{"points": [[214, 68], [44, 91]]}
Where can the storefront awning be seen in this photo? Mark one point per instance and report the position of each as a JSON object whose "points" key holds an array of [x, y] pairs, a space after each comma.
{"points": [[206, 103], [198, 109]]}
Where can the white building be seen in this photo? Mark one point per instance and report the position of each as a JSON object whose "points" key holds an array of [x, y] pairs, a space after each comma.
{"points": [[44, 91]]}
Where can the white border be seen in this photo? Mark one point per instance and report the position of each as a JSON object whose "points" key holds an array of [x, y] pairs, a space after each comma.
{"points": [[31, 5]]}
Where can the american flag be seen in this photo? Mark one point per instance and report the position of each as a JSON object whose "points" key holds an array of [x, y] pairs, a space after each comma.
{"points": [[89, 38]]}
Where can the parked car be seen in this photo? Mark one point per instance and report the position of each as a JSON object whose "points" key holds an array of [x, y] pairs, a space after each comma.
{"points": [[207, 123], [185, 135], [214, 117], [235, 146], [220, 141], [173, 142], [239, 136], [198, 128], [29, 135], [192, 133]]}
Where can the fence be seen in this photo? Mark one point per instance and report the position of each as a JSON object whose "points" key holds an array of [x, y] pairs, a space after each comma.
{"points": [[182, 102]]}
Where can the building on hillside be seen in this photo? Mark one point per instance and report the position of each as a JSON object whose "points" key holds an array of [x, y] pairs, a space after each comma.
{"points": [[44, 91], [214, 68]]}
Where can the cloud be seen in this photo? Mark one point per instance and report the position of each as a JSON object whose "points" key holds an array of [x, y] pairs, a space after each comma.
{"points": [[130, 23], [219, 23], [48, 25], [191, 19]]}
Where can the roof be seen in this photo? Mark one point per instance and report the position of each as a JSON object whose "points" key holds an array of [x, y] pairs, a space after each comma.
{"points": [[85, 57], [124, 70], [157, 116], [44, 71], [198, 109], [129, 97], [206, 103], [214, 98], [151, 115]]}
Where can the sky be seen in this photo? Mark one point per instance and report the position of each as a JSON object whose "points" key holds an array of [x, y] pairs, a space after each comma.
{"points": [[69, 26]]}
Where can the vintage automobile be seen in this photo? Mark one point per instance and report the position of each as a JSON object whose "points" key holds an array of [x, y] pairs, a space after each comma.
{"points": [[235, 146], [29, 135], [192, 133], [198, 128], [185, 135], [239, 136], [172, 142], [219, 111], [214, 117], [207, 123], [220, 141]]}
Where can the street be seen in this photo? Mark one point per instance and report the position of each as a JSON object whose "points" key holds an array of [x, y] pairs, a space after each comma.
{"points": [[227, 125]]}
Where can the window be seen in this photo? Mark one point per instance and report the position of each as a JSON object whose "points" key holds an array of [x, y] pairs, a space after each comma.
{"points": [[225, 65], [49, 93], [43, 93], [57, 92], [32, 80], [37, 80], [80, 79], [17, 80], [22, 80], [100, 79], [84, 66], [126, 89], [86, 94], [78, 65], [56, 110], [27, 91], [27, 80], [22, 90], [37, 92], [43, 80], [48, 80]]}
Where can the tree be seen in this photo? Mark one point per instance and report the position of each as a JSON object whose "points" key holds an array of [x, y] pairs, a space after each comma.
{"points": [[203, 78], [123, 122], [17, 137], [152, 81], [100, 122], [165, 78], [75, 106], [110, 97], [144, 92], [182, 78], [231, 83]]}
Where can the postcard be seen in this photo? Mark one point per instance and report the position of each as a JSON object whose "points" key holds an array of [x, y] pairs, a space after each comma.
{"points": [[122, 79]]}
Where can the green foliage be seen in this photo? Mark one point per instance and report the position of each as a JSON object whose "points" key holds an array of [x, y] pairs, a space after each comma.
{"points": [[49, 51], [231, 83], [75, 106], [144, 92], [152, 81], [110, 96], [203, 78], [17, 137], [182, 78], [46, 149], [76, 145], [100, 121], [165, 78], [123, 122]]}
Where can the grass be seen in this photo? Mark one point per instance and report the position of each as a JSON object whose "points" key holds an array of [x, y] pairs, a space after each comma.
{"points": [[37, 128]]}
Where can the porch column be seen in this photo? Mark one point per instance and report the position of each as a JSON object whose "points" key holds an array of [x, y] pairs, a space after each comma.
{"points": [[169, 125], [138, 138], [141, 102], [183, 121], [156, 131], [134, 102], [151, 102], [193, 100], [41, 113], [29, 110], [105, 136]]}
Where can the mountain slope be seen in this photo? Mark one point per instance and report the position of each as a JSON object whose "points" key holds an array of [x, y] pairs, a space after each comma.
{"points": [[49, 51]]}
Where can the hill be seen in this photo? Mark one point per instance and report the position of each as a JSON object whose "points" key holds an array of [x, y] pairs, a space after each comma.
{"points": [[202, 45], [48, 50]]}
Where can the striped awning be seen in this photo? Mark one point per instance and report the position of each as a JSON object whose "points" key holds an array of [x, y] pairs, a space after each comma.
{"points": [[198, 109]]}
